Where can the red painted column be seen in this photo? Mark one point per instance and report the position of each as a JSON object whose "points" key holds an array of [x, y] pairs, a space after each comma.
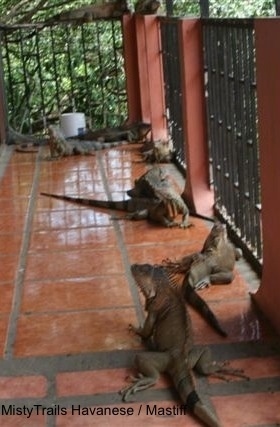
{"points": [[267, 33], [142, 58], [197, 192], [150, 74], [131, 68]]}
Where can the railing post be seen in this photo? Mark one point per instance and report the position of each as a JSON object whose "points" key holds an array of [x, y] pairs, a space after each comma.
{"points": [[197, 190], [147, 70], [131, 68], [267, 34], [3, 106]]}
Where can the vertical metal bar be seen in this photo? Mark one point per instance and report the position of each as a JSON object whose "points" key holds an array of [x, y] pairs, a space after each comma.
{"points": [[116, 67], [169, 7], [69, 66], [204, 8], [55, 71], [100, 73], [277, 7], [41, 81]]}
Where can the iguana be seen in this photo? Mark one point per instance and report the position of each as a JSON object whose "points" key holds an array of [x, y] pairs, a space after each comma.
{"points": [[134, 132], [25, 143], [161, 151], [213, 265], [111, 9], [168, 328], [147, 7], [156, 184], [194, 299], [62, 147], [155, 210]]}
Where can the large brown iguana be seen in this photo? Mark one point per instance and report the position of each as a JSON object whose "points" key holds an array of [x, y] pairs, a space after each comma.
{"points": [[155, 184], [155, 210], [61, 147], [168, 327], [213, 265]]}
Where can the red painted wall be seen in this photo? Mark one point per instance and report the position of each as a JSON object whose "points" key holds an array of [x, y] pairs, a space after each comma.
{"points": [[267, 33]]}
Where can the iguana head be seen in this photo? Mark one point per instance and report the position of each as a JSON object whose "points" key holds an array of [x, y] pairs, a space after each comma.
{"points": [[145, 279], [217, 235], [147, 183]]}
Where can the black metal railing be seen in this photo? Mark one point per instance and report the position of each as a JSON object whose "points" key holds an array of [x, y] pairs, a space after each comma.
{"points": [[232, 129], [53, 69], [172, 85]]}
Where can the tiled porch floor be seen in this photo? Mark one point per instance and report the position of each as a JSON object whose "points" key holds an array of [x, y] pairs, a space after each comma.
{"points": [[67, 297]]}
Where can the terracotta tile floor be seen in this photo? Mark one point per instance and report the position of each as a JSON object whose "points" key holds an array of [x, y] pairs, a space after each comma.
{"points": [[67, 297]]}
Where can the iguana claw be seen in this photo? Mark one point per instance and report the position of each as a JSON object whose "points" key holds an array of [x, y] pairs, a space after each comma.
{"points": [[140, 382]]}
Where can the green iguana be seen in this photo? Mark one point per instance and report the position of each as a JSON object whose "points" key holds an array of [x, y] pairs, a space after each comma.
{"points": [[155, 184], [134, 132], [161, 151], [168, 327], [154, 210], [62, 147], [213, 265]]}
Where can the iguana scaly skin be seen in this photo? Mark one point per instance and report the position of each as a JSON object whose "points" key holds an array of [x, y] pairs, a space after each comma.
{"points": [[168, 327], [155, 184], [62, 147], [146, 184], [213, 265], [138, 208], [25, 143], [194, 299], [134, 132], [161, 151]]}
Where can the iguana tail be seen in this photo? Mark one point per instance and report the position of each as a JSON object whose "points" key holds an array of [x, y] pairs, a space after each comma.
{"points": [[122, 205], [195, 300], [183, 382]]}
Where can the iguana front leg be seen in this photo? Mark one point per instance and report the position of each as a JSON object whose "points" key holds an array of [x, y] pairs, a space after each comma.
{"points": [[149, 366], [146, 331], [221, 277], [200, 359]]}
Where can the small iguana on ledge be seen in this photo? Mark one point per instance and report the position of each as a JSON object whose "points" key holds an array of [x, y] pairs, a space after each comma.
{"points": [[213, 265], [111, 9], [168, 327], [155, 210]]}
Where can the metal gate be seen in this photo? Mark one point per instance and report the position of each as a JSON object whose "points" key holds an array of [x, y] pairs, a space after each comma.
{"points": [[232, 129], [172, 85]]}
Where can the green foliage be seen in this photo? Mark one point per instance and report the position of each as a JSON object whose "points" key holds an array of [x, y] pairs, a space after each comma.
{"points": [[226, 8], [241, 8], [68, 67], [65, 68]]}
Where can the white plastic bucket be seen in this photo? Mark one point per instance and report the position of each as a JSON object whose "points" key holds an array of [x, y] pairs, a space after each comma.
{"points": [[72, 124]]}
